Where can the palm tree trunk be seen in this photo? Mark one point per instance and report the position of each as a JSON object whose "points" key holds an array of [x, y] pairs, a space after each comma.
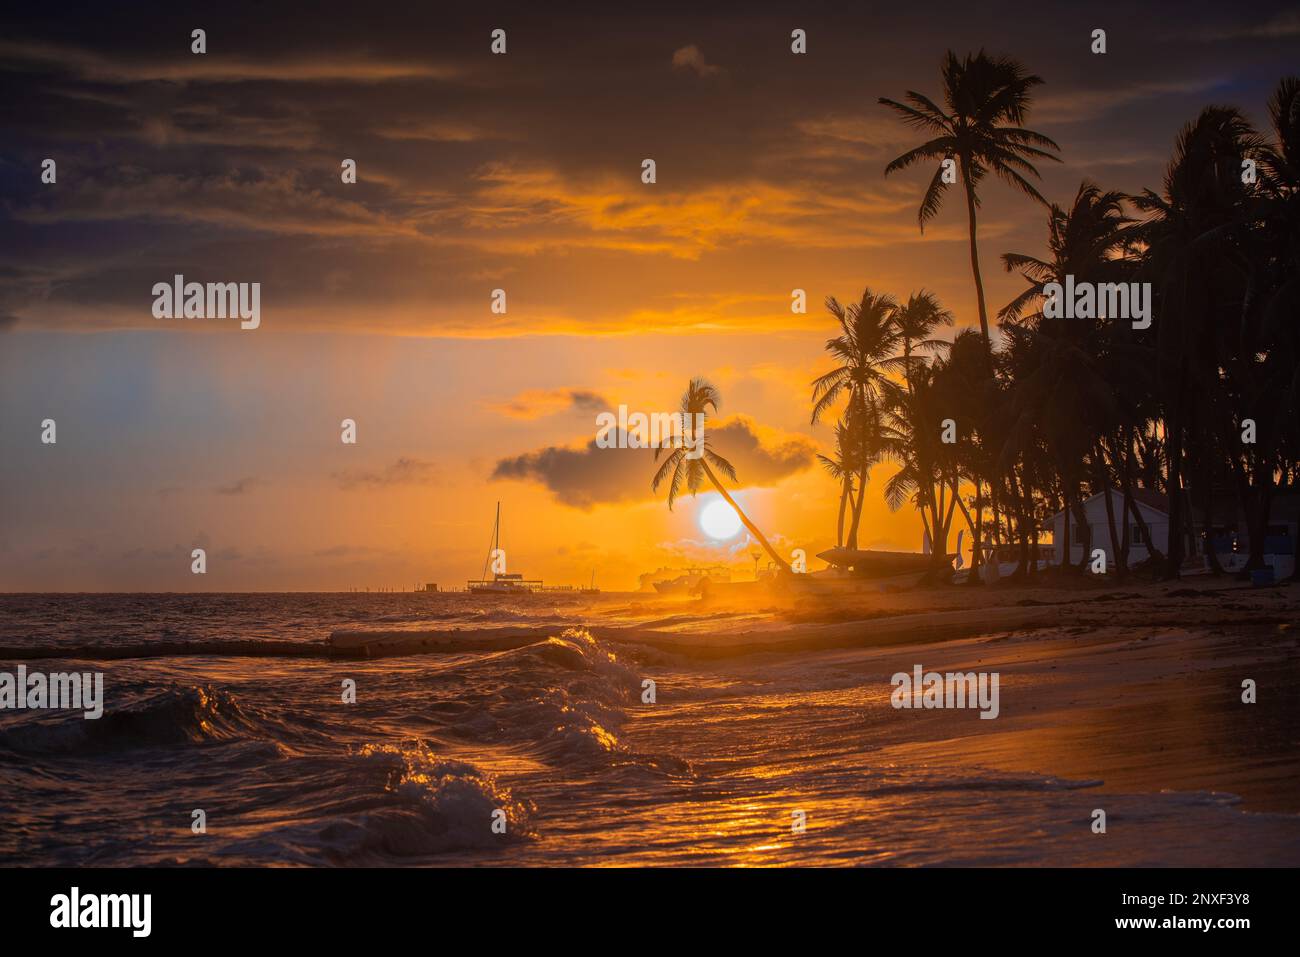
{"points": [[1143, 532], [1067, 513], [1085, 534], [857, 509], [1207, 520], [1103, 481], [977, 530], [975, 267], [839, 527], [750, 526], [1174, 474]]}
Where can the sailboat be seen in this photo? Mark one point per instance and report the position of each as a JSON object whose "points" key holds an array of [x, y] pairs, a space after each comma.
{"points": [[501, 583]]}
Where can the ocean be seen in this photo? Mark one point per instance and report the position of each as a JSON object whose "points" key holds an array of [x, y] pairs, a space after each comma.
{"points": [[551, 753]]}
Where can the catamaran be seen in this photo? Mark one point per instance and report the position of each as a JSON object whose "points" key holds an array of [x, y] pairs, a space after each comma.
{"points": [[501, 582]]}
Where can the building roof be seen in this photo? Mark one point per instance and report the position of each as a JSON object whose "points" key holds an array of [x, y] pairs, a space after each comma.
{"points": [[1156, 501]]}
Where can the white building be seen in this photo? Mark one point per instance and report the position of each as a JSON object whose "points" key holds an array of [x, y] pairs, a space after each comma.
{"points": [[1228, 537], [1150, 505]]}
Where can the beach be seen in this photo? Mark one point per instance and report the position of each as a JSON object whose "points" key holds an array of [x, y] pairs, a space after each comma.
{"points": [[769, 736]]}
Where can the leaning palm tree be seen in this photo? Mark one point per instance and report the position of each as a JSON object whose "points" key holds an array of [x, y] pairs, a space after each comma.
{"points": [[680, 470], [985, 102]]}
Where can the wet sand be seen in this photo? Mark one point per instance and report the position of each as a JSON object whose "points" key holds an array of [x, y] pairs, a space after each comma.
{"points": [[1137, 686]]}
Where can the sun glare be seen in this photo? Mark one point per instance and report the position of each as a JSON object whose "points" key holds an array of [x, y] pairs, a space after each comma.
{"points": [[719, 520]]}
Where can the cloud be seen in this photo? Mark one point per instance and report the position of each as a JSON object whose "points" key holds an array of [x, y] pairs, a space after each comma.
{"points": [[588, 476], [519, 209], [402, 472], [1073, 106], [214, 68], [240, 486], [761, 456], [537, 403], [436, 131], [258, 200], [690, 58], [1281, 25], [850, 135]]}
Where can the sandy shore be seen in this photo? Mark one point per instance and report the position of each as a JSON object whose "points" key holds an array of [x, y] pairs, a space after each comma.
{"points": [[1139, 688]]}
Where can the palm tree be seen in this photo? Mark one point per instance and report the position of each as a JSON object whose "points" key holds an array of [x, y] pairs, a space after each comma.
{"points": [[912, 439], [916, 321], [1196, 270], [864, 349], [843, 468], [865, 419], [1281, 216], [986, 99], [1058, 362], [1084, 241], [961, 382], [701, 397]]}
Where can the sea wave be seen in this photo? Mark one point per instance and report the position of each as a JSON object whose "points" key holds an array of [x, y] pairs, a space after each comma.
{"points": [[403, 802], [565, 703], [172, 717]]}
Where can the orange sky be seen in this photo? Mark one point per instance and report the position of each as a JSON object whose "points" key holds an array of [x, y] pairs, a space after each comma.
{"points": [[477, 172]]}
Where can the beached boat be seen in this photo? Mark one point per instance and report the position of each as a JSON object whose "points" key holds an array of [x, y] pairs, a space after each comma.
{"points": [[868, 563], [859, 569], [690, 582]]}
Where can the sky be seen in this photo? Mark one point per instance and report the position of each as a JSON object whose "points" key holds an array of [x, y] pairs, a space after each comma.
{"points": [[478, 172]]}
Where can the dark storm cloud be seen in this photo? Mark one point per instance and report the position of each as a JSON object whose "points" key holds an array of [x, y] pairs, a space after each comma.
{"points": [[474, 167], [589, 476]]}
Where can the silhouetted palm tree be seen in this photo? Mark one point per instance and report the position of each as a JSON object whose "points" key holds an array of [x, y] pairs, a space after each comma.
{"points": [[980, 126], [1196, 273], [700, 398], [1060, 362], [1081, 405], [864, 348], [916, 321], [843, 467]]}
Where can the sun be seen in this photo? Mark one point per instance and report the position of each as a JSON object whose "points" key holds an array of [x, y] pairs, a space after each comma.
{"points": [[719, 520]]}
